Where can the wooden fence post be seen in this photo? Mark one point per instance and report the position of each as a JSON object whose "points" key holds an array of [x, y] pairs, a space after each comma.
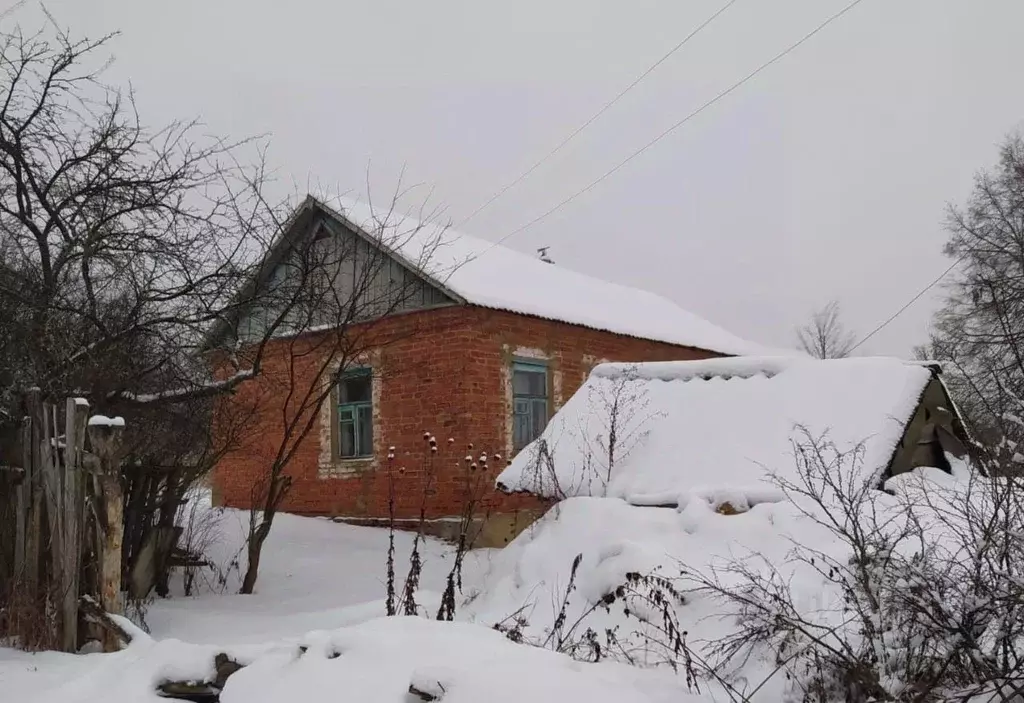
{"points": [[33, 490], [105, 440], [23, 501], [72, 503], [53, 546]]}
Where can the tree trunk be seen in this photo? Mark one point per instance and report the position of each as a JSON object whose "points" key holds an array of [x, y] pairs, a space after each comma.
{"points": [[254, 551], [137, 482], [165, 524]]}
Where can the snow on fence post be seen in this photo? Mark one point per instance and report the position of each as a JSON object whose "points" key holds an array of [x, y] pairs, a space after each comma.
{"points": [[105, 436]]}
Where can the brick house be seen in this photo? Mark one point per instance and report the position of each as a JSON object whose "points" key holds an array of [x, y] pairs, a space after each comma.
{"points": [[486, 352]]}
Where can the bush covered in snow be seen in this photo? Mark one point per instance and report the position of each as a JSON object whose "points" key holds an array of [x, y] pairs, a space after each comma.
{"points": [[837, 592], [924, 595]]}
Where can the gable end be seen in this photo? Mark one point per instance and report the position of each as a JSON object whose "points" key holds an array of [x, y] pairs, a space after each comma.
{"points": [[934, 430], [357, 265]]}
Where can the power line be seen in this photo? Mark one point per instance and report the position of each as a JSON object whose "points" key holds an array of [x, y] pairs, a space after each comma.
{"points": [[676, 126], [910, 302], [525, 174]]}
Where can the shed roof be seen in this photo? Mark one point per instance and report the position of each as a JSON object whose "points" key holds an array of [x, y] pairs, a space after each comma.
{"points": [[704, 427]]}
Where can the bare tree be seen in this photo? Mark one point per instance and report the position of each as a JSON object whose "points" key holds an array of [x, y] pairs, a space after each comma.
{"points": [[617, 420], [331, 293], [621, 407], [825, 336], [979, 331], [120, 245]]}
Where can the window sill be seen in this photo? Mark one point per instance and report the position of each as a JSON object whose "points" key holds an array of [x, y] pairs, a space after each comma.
{"points": [[346, 468]]}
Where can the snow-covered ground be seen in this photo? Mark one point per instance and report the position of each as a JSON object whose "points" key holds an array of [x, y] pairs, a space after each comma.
{"points": [[316, 574], [375, 662], [316, 625], [321, 588]]}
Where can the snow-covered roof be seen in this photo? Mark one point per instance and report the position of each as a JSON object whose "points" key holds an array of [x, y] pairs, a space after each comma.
{"points": [[706, 427], [482, 273]]}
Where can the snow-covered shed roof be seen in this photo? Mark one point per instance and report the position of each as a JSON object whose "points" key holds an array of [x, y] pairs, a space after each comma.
{"points": [[481, 273], [722, 425]]}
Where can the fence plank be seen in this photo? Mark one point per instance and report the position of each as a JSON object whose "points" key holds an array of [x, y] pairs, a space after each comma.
{"points": [[76, 416], [34, 488], [23, 498], [52, 519], [50, 465]]}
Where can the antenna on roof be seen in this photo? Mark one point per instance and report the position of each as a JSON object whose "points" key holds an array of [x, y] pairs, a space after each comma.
{"points": [[542, 252]]}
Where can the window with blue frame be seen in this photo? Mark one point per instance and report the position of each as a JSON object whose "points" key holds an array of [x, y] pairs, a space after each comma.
{"points": [[355, 414], [529, 402]]}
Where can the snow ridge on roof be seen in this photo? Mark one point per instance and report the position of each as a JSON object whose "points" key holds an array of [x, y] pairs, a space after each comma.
{"points": [[733, 367], [704, 427], [493, 276]]}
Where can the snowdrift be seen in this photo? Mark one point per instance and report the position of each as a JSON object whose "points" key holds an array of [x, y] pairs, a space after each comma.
{"points": [[375, 662], [531, 575]]}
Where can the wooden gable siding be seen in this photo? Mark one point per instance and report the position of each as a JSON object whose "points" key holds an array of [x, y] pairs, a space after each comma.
{"points": [[355, 267], [933, 431], [356, 256]]}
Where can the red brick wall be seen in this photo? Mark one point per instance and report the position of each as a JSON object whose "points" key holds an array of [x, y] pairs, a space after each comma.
{"points": [[443, 371]]}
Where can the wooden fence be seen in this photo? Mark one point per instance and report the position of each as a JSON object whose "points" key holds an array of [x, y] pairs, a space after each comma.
{"points": [[60, 524]]}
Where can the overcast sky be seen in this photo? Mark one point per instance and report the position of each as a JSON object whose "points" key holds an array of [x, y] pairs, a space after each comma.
{"points": [[824, 177]]}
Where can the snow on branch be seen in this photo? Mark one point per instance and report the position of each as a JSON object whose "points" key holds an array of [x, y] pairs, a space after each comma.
{"points": [[187, 392]]}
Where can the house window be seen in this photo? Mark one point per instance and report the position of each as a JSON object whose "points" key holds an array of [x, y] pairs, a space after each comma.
{"points": [[355, 414], [529, 402]]}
